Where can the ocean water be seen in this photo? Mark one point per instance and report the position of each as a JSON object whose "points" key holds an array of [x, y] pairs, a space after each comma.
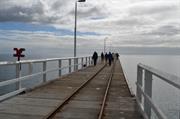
{"points": [[164, 95]]}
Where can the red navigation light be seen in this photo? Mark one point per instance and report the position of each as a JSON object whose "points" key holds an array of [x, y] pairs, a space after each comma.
{"points": [[19, 53]]}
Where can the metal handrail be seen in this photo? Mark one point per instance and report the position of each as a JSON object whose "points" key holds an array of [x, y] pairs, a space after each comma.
{"points": [[169, 78], [38, 61], [145, 73], [20, 78]]}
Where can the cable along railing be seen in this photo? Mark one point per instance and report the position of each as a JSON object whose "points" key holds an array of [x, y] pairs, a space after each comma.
{"points": [[144, 91], [73, 62]]}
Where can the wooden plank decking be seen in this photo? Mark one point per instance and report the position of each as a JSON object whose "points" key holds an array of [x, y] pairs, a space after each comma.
{"points": [[39, 102]]}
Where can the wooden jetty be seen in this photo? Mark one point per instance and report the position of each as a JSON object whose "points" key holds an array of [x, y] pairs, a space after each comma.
{"points": [[41, 102]]}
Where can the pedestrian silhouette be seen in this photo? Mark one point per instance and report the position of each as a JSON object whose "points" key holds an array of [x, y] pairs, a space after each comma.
{"points": [[113, 56], [110, 58], [95, 57], [117, 56], [106, 57], [102, 57]]}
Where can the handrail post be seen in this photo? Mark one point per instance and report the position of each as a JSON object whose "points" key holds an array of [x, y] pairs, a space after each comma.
{"points": [[82, 62], [89, 60], [70, 65], [86, 61], [60, 63], [30, 68], [18, 75], [148, 91], [77, 64], [139, 82], [44, 69]]}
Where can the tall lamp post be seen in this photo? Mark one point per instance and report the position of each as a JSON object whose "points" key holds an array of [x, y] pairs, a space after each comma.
{"points": [[75, 26], [75, 32]]}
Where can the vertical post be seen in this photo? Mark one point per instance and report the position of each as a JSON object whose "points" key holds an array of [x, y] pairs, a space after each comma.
{"points": [[82, 62], [17, 71], [77, 64], [74, 64], [104, 45], [60, 63], [44, 69], [75, 28], [139, 82], [89, 60], [18, 75], [86, 61], [70, 65], [148, 91], [30, 68]]}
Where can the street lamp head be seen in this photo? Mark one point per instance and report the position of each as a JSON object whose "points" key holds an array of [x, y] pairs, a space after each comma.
{"points": [[81, 0]]}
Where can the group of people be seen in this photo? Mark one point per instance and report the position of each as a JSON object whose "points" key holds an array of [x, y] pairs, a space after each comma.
{"points": [[107, 57]]}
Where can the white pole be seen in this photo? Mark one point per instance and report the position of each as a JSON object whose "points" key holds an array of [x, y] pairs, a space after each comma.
{"points": [[75, 28], [104, 45]]}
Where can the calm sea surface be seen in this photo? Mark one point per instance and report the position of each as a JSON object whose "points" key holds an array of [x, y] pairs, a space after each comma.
{"points": [[164, 95]]}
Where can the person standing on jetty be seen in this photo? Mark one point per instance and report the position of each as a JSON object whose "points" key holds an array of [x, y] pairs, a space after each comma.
{"points": [[110, 58], [95, 57], [102, 57], [106, 57], [117, 56]]}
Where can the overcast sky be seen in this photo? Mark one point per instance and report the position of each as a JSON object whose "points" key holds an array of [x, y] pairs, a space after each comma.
{"points": [[50, 23]]}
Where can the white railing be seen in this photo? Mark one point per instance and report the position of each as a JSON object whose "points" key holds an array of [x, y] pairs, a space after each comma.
{"points": [[144, 92], [83, 61]]}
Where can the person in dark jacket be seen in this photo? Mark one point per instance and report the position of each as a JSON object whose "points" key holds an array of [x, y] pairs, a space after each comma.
{"points": [[110, 58], [106, 57], [95, 57], [117, 56], [113, 55], [102, 57]]}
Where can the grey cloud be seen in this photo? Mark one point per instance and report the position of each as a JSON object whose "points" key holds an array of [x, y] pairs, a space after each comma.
{"points": [[149, 21], [139, 40], [131, 21], [33, 13], [19, 13], [60, 3], [150, 8], [165, 30], [91, 11]]}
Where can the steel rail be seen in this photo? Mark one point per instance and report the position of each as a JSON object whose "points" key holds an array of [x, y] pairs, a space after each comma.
{"points": [[106, 93], [52, 114]]}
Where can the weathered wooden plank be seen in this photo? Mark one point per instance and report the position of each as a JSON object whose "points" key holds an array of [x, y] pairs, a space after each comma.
{"points": [[19, 116], [117, 114], [24, 109], [32, 101], [120, 104], [78, 113], [86, 104]]}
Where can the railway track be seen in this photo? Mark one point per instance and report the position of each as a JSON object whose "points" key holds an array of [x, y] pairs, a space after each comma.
{"points": [[93, 94], [106, 93]]}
